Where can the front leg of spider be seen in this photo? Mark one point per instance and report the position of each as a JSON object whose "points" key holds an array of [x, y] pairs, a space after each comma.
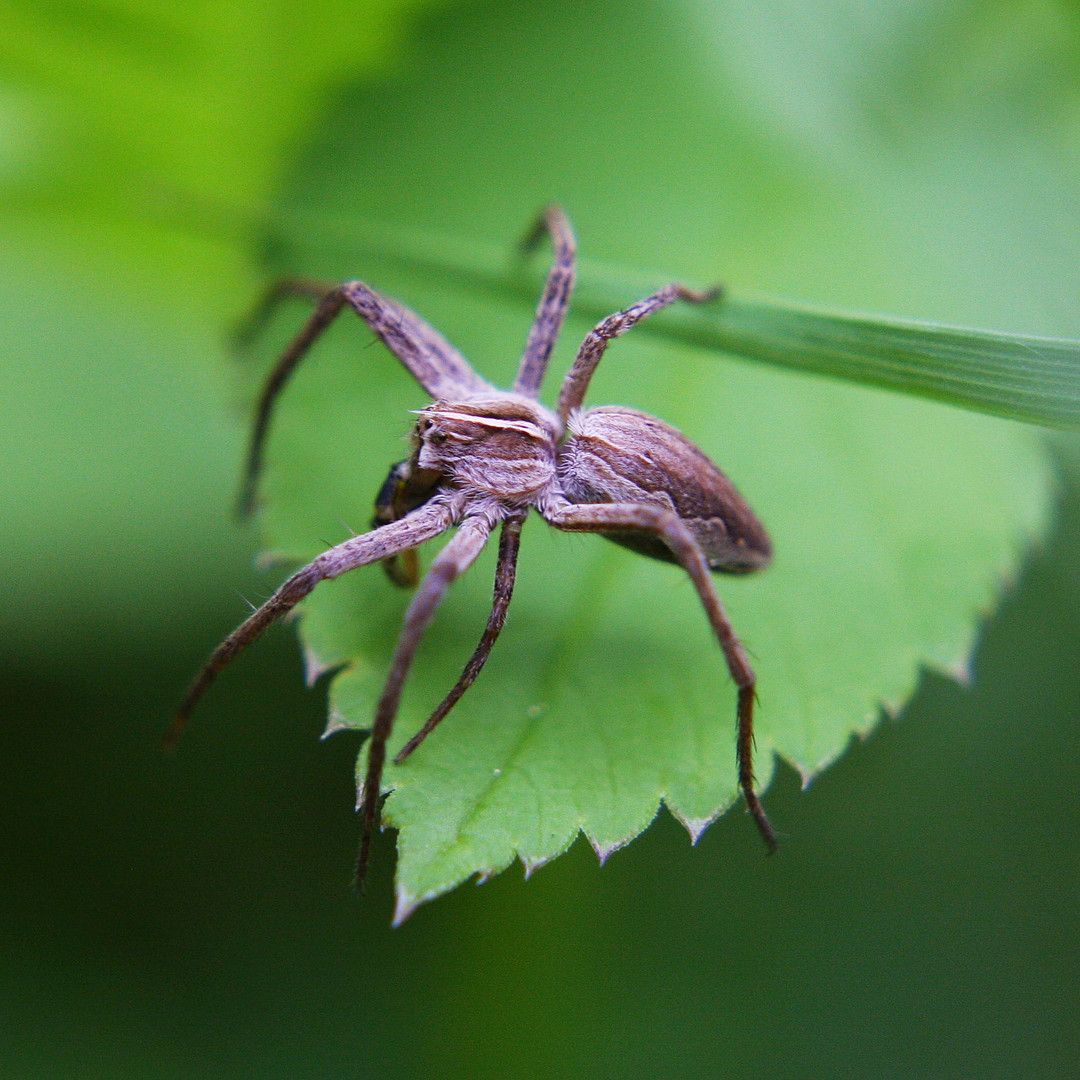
{"points": [[427, 523], [431, 360]]}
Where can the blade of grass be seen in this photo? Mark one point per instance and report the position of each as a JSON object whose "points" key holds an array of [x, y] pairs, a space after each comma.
{"points": [[1021, 377]]}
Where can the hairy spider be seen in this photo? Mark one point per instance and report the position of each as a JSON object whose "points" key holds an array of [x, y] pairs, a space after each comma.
{"points": [[480, 458]]}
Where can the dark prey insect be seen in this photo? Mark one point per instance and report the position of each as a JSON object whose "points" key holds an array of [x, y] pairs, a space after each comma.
{"points": [[480, 458]]}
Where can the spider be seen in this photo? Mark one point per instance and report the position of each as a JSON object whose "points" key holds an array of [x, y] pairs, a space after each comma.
{"points": [[481, 457]]}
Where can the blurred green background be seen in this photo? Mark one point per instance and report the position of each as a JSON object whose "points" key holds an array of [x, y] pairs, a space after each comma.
{"points": [[191, 916]]}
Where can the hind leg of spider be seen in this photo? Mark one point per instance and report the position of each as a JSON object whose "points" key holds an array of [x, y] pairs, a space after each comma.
{"points": [[576, 382], [505, 572], [419, 527], [454, 559], [615, 517]]}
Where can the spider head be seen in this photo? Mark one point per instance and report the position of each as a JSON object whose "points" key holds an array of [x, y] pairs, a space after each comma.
{"points": [[501, 446]]}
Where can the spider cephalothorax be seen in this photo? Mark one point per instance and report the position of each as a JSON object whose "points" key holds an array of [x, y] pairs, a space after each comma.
{"points": [[481, 458], [504, 447]]}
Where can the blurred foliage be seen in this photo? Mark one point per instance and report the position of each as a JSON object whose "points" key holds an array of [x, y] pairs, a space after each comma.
{"points": [[191, 917], [200, 103], [138, 143]]}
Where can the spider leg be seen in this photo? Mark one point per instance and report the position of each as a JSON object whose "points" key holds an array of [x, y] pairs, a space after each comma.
{"points": [[439, 368], [576, 384], [551, 311], [409, 532], [505, 570], [454, 559], [607, 517]]}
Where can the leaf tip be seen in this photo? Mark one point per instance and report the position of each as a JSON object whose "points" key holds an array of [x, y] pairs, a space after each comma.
{"points": [[314, 666], [807, 775], [892, 708], [406, 904], [335, 722], [531, 865], [962, 670], [603, 850], [695, 826]]}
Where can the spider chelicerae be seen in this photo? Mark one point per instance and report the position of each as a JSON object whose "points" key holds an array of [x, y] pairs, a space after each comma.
{"points": [[481, 457]]}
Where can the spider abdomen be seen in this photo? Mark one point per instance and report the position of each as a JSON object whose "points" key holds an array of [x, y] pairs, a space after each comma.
{"points": [[613, 454]]}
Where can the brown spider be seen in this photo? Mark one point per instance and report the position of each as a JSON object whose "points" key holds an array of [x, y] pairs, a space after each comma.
{"points": [[480, 458]]}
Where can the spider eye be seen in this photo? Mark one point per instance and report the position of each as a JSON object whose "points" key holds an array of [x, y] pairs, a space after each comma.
{"points": [[438, 437]]}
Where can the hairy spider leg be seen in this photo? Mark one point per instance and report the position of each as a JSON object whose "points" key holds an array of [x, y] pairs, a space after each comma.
{"points": [[454, 559], [435, 364], [607, 517], [576, 384], [505, 573], [419, 527], [555, 299]]}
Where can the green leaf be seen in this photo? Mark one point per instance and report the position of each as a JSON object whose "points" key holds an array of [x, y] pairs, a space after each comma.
{"points": [[895, 520]]}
